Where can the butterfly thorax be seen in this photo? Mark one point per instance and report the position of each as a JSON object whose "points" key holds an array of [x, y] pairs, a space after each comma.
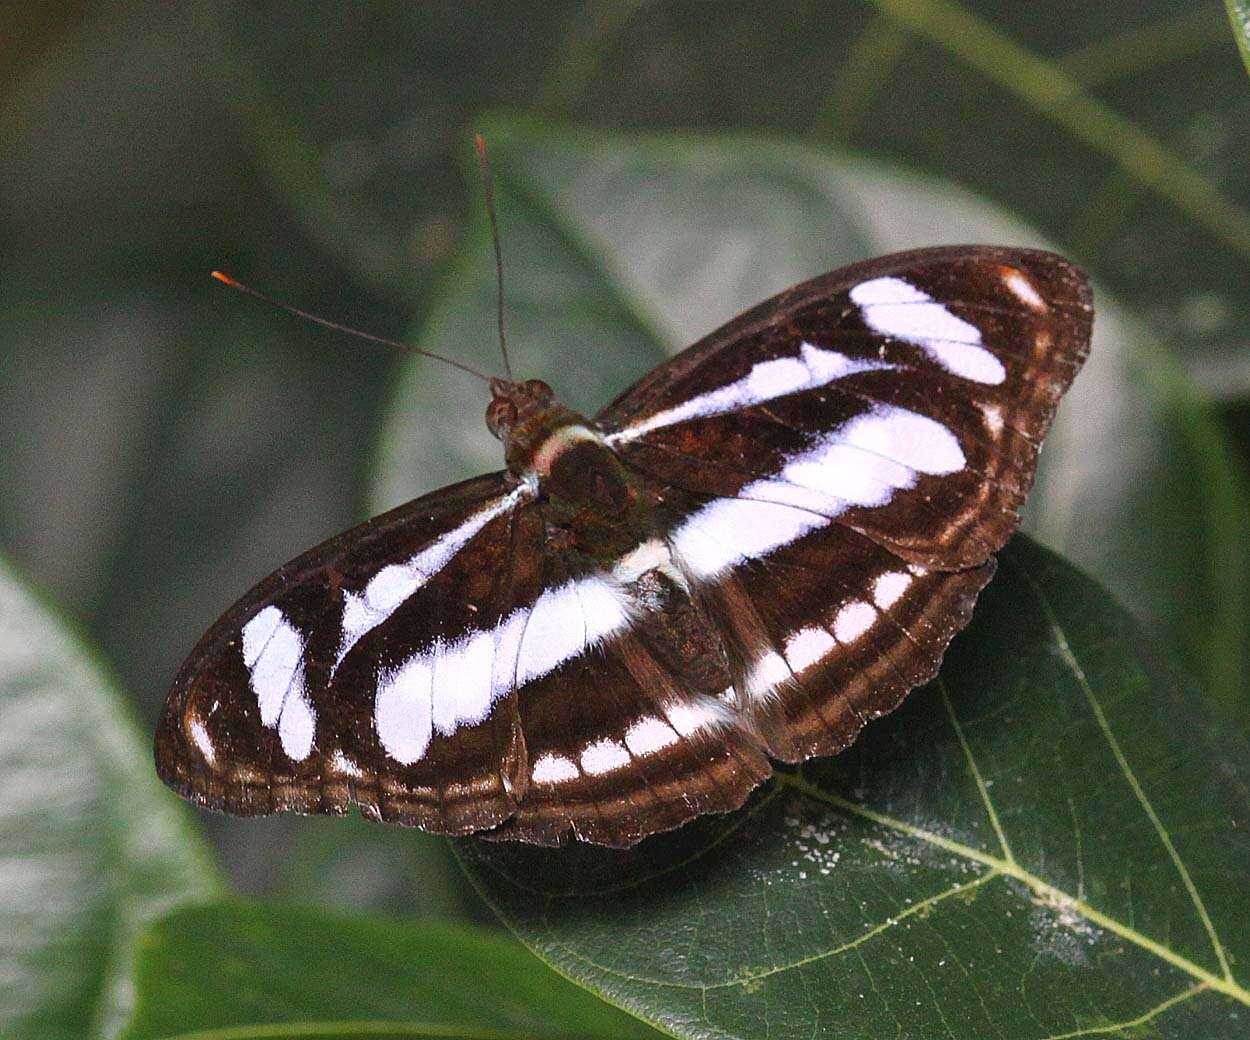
{"points": [[592, 500]]}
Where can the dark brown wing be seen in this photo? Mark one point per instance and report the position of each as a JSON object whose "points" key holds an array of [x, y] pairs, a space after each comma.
{"points": [[448, 666], [827, 478], [844, 459], [640, 733], [318, 688]]}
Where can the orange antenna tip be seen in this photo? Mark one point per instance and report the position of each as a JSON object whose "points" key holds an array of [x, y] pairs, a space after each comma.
{"points": [[225, 279]]}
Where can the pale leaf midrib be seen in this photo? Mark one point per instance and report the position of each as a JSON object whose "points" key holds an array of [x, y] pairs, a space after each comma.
{"points": [[1229, 987]]}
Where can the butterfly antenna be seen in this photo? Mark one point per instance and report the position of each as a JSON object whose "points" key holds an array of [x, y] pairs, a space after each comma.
{"points": [[225, 279], [488, 185]]}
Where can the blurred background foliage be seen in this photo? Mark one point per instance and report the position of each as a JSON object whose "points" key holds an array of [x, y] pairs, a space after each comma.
{"points": [[166, 443]]}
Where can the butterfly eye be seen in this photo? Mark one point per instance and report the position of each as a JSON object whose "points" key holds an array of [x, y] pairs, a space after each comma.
{"points": [[539, 390], [500, 415]]}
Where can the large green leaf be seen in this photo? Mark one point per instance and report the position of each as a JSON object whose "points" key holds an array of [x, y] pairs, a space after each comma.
{"points": [[91, 844], [1120, 130], [1239, 14], [267, 972], [621, 250], [1047, 842]]}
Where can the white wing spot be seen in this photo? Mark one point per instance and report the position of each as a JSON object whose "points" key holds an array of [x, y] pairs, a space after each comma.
{"points": [[402, 711], [808, 646], [888, 589], [853, 620], [273, 650], [199, 734], [649, 735], [603, 756], [688, 717], [297, 725], [1023, 289], [893, 307], [767, 672], [553, 769]]}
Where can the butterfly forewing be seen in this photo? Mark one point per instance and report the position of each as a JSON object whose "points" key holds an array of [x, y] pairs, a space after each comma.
{"points": [[905, 398], [764, 543], [316, 689]]}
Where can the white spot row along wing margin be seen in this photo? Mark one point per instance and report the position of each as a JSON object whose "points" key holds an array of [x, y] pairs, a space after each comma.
{"points": [[645, 736], [808, 646]]}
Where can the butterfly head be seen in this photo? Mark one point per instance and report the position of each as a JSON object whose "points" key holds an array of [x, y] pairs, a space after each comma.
{"points": [[515, 405], [533, 426]]}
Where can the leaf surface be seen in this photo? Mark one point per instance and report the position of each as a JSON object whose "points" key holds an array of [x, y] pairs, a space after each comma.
{"points": [[1239, 15], [91, 844], [1119, 130], [249, 971], [1047, 842]]}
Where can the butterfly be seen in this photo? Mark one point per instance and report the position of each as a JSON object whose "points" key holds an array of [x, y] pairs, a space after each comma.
{"points": [[766, 542]]}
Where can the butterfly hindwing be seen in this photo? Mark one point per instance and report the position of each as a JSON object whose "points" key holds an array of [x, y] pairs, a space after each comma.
{"points": [[638, 734]]}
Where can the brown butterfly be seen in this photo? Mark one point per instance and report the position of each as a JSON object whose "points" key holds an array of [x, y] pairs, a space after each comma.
{"points": [[763, 544]]}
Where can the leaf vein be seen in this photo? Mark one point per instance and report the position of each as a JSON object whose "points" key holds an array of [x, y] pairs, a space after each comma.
{"points": [[976, 775], [1070, 659], [1056, 95], [1140, 1020], [1228, 986]]}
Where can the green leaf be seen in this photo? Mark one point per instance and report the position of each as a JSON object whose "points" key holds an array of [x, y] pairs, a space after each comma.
{"points": [[1047, 842], [1118, 130], [91, 844], [1239, 14], [248, 971], [621, 250], [355, 115]]}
